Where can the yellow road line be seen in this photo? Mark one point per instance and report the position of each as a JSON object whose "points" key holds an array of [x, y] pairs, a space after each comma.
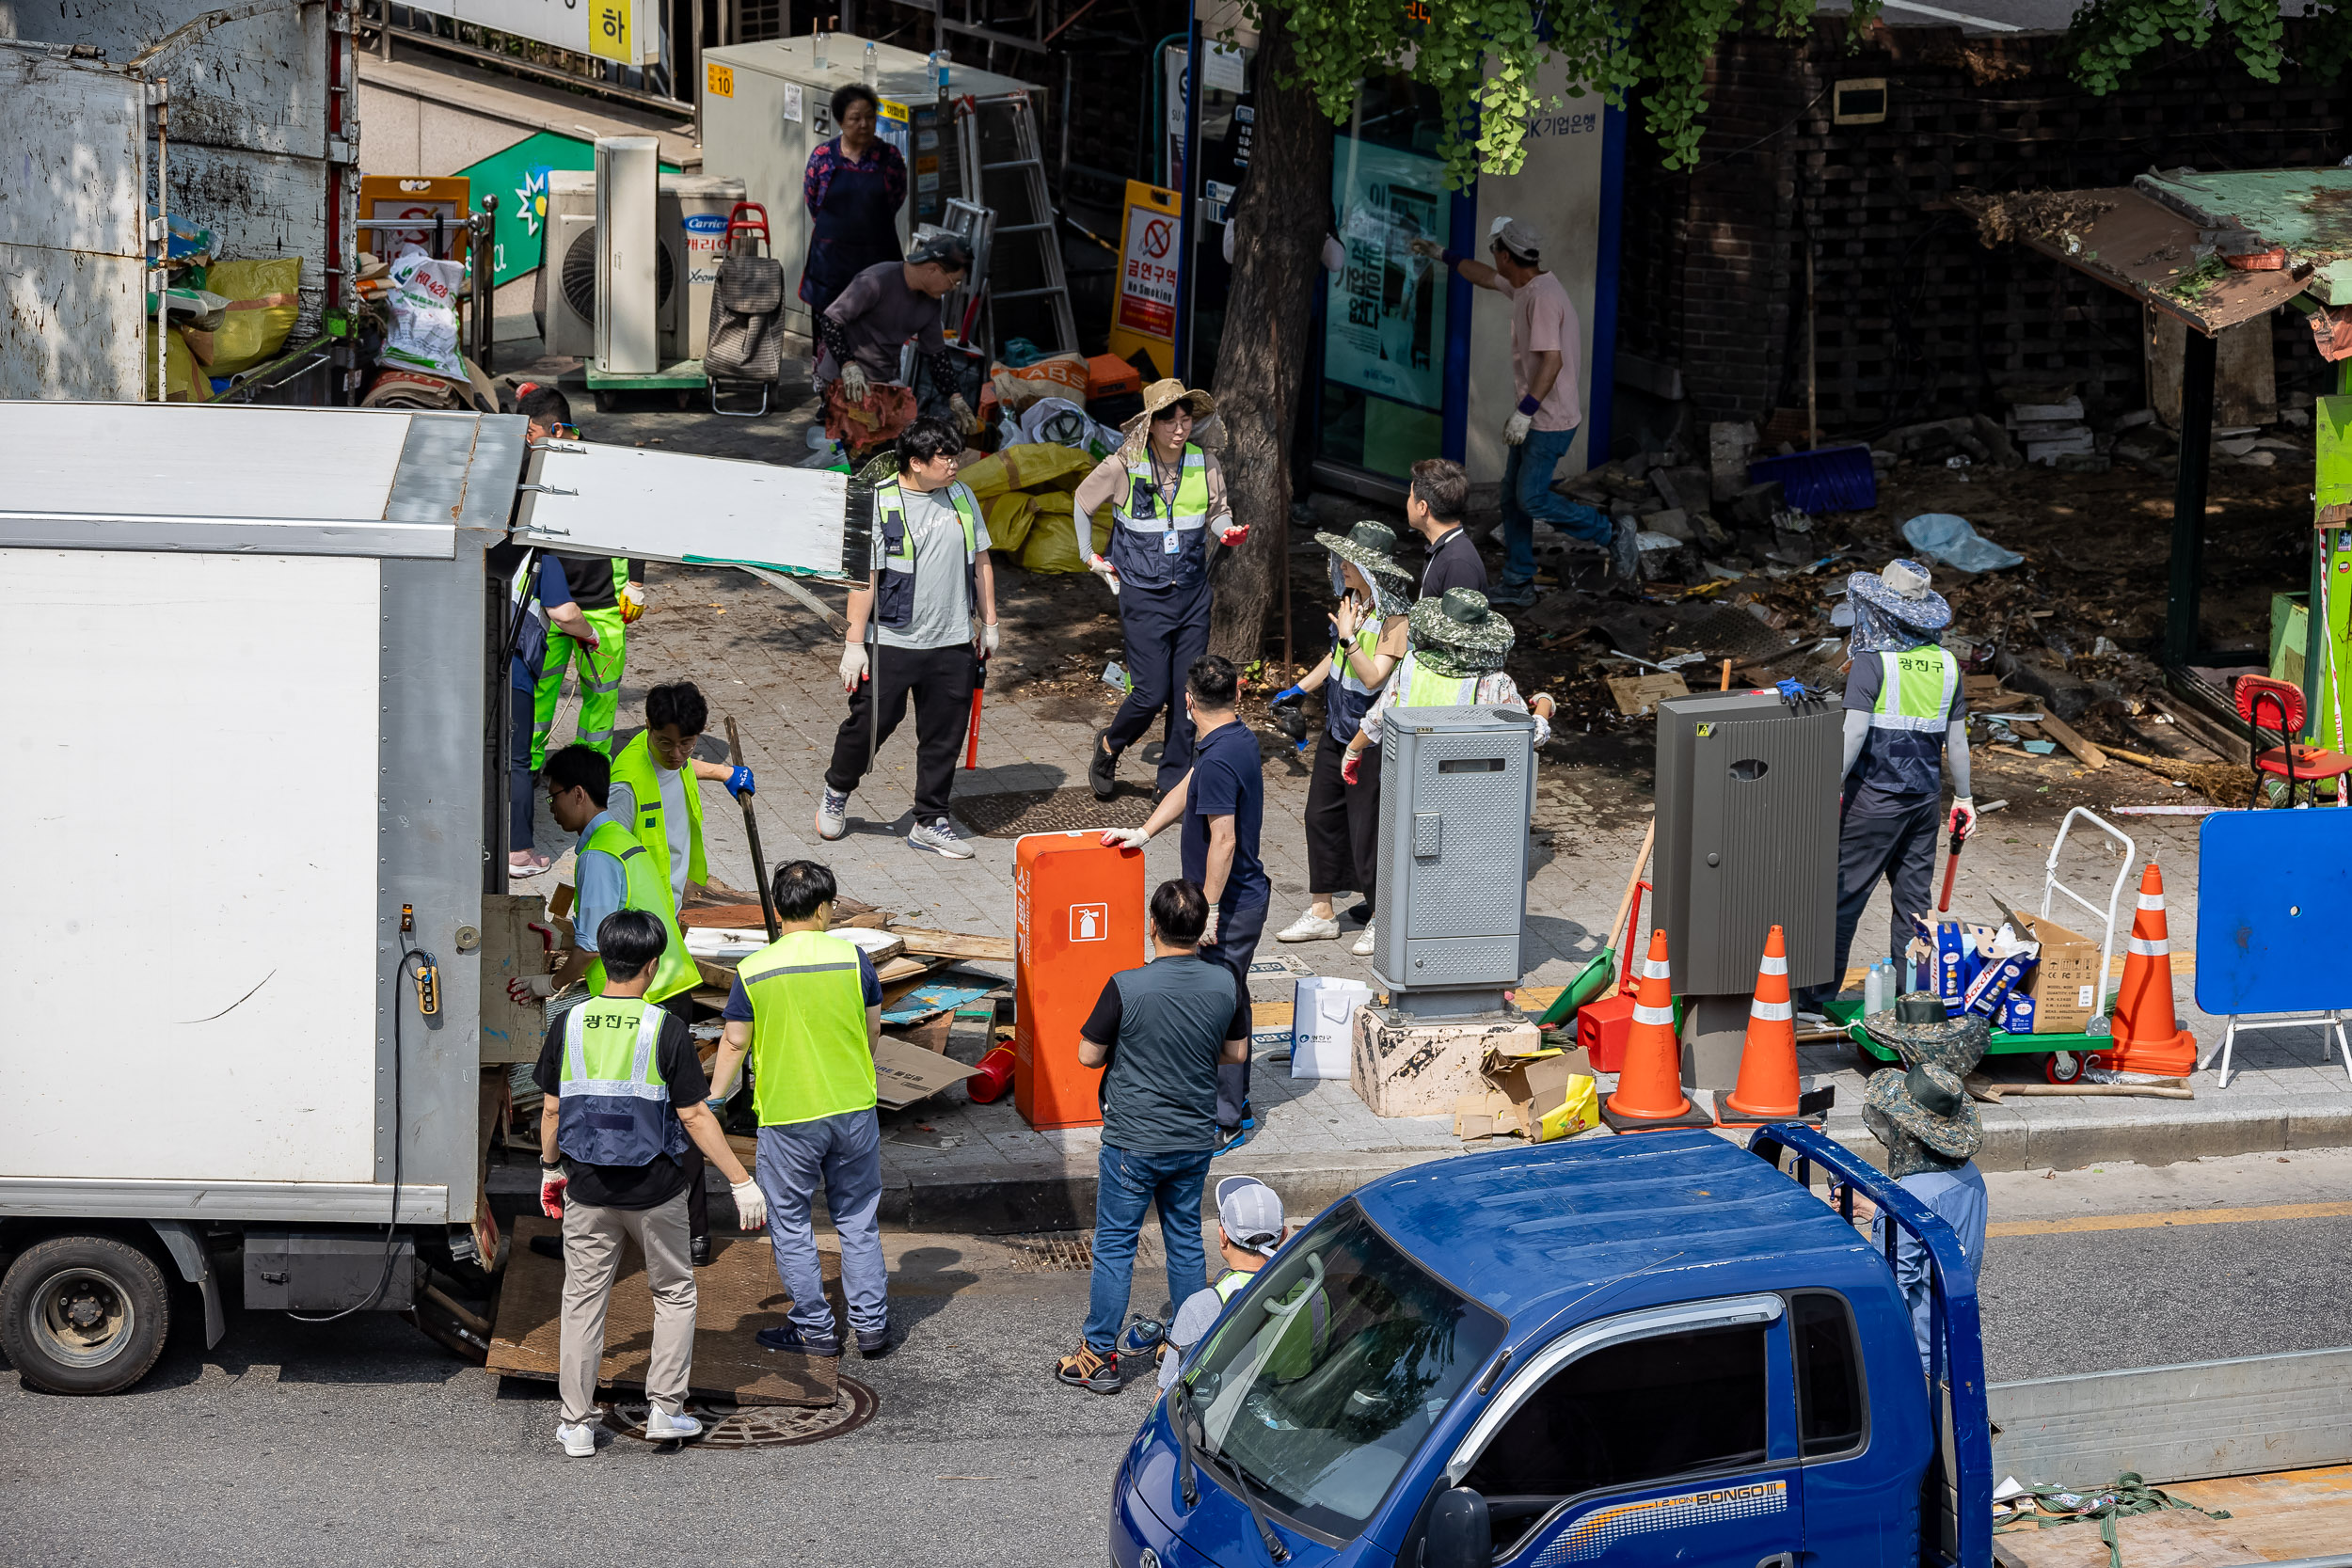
{"points": [[2176, 1216]]}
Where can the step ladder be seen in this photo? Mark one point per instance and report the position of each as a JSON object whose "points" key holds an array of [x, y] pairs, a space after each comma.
{"points": [[1028, 293]]}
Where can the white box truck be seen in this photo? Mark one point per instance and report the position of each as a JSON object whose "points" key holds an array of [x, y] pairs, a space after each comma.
{"points": [[257, 660]]}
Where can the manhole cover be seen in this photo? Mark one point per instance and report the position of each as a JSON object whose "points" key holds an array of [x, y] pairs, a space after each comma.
{"points": [[1009, 814], [758, 1426]]}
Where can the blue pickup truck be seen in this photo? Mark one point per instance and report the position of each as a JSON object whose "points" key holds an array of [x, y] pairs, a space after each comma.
{"points": [[1639, 1349]]}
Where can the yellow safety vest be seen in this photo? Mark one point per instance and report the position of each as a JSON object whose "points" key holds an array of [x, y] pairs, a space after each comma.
{"points": [[647, 890], [636, 768], [809, 1047]]}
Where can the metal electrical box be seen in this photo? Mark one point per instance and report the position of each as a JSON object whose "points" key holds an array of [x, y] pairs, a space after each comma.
{"points": [[326, 1270], [1747, 837], [1457, 788]]}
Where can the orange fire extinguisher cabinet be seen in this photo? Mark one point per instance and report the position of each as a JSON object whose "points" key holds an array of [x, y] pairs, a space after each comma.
{"points": [[1078, 920]]}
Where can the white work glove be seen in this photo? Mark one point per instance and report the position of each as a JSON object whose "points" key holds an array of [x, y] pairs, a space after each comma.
{"points": [[1424, 245], [852, 665], [1208, 932], [531, 988], [988, 639], [1125, 838], [1963, 814], [1104, 569], [751, 1205], [960, 412], [635, 601], [1515, 429], [552, 1185], [853, 384]]}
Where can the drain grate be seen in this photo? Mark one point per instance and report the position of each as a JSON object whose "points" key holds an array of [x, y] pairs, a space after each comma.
{"points": [[759, 1426], [1072, 1252]]}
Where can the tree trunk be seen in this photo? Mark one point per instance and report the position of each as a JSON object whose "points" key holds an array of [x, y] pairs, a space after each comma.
{"points": [[1279, 221]]}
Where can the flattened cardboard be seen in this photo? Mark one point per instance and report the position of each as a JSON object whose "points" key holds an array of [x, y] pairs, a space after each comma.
{"points": [[1520, 1091], [511, 1031], [1638, 694], [2065, 986], [905, 1073]]}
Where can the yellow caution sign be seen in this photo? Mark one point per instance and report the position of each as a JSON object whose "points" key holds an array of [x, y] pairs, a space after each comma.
{"points": [[1150, 266], [721, 80]]}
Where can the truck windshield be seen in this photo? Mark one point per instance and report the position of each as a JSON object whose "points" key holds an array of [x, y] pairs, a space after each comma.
{"points": [[1322, 1380]]}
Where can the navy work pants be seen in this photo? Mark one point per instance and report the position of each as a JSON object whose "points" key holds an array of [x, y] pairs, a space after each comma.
{"points": [[1897, 846], [1166, 629], [1236, 943]]}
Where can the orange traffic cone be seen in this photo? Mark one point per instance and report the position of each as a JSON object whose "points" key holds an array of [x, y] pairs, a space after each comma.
{"points": [[1767, 1062], [2148, 1036], [1649, 1090]]}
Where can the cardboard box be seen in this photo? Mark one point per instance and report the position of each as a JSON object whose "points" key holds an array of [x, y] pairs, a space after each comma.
{"points": [[1404, 1067], [1541, 1097], [904, 1073], [2066, 986]]}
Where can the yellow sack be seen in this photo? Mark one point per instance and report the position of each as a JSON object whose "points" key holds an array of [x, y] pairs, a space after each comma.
{"points": [[1043, 465], [264, 299], [1009, 515], [1579, 1113], [184, 380], [1053, 544], [987, 479]]}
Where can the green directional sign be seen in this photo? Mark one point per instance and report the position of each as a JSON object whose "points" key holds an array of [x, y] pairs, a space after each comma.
{"points": [[518, 175]]}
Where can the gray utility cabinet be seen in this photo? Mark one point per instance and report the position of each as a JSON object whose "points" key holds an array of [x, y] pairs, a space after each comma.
{"points": [[1747, 838], [1457, 786]]}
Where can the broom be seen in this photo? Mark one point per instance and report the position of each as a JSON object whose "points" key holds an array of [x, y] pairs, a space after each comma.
{"points": [[2222, 783]]}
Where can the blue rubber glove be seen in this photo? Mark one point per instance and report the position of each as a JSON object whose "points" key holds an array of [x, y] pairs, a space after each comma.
{"points": [[740, 781], [1289, 693]]}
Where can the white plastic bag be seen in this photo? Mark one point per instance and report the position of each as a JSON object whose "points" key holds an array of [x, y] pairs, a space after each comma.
{"points": [[424, 300]]}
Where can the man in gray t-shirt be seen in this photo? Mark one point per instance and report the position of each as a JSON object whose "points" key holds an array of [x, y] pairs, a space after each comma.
{"points": [[931, 574]]}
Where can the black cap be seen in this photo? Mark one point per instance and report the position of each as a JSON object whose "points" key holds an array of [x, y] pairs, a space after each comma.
{"points": [[951, 251]]}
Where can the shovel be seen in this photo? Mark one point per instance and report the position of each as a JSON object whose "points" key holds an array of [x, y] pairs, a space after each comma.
{"points": [[751, 831]]}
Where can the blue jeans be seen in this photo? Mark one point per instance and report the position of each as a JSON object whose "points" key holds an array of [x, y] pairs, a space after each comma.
{"points": [[1126, 1185], [1527, 495], [846, 1150]]}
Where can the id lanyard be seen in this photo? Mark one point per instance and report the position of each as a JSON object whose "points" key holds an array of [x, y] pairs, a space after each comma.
{"points": [[1143, 503]]}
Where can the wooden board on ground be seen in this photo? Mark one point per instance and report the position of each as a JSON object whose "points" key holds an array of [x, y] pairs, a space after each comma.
{"points": [[2063, 733], [954, 945], [901, 973], [2287, 1514], [511, 1030], [736, 1295], [2173, 1539], [931, 1035], [1638, 694]]}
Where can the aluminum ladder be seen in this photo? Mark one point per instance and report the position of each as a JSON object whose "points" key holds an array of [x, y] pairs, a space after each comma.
{"points": [[998, 139]]}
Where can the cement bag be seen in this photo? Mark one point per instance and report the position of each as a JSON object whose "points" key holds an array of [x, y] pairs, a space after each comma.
{"points": [[264, 299], [1323, 1025], [1056, 375], [1053, 543], [424, 301], [1010, 514]]}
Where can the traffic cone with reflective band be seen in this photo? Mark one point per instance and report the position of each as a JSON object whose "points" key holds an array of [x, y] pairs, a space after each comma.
{"points": [[2147, 1035], [1649, 1090], [1767, 1062]]}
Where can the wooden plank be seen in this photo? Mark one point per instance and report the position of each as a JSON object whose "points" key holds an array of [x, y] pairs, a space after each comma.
{"points": [[954, 945], [2063, 733], [2289, 1514], [2176, 1538], [511, 1031]]}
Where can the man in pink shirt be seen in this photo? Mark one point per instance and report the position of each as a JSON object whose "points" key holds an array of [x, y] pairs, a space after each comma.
{"points": [[1547, 350]]}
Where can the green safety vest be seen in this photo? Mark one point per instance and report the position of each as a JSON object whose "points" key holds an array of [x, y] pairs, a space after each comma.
{"points": [[1428, 688], [894, 585], [1190, 509], [636, 768], [1909, 718], [649, 889], [810, 1054], [613, 1106], [1295, 1353]]}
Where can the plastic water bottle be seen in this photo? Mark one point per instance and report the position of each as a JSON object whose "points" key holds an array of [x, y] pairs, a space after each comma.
{"points": [[1874, 989], [873, 64], [939, 70], [819, 42]]}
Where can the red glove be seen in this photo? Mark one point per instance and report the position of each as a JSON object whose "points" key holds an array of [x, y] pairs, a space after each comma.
{"points": [[1232, 537], [552, 1185], [1352, 768]]}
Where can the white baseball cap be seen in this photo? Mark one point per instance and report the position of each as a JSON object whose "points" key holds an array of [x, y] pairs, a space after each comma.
{"points": [[1519, 239], [1249, 1213]]}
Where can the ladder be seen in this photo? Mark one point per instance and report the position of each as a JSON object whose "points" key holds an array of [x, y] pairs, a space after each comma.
{"points": [[1028, 295]]}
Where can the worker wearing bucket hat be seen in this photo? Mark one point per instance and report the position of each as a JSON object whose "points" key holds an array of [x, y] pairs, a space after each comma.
{"points": [[1166, 493], [1922, 1114], [1906, 718], [1546, 352], [1368, 638], [1454, 659]]}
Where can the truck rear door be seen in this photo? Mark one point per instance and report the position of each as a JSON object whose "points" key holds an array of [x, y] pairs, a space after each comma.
{"points": [[1663, 1435]]}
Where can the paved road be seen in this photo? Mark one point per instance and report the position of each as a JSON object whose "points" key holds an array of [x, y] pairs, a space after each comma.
{"points": [[363, 1443]]}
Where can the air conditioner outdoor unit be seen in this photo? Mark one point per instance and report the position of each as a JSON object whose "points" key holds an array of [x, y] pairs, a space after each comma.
{"points": [[628, 297], [690, 212]]}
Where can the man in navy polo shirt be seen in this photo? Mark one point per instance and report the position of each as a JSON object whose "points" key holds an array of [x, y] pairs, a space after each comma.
{"points": [[1222, 803]]}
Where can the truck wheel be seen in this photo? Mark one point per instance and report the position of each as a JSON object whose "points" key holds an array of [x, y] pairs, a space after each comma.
{"points": [[84, 1314]]}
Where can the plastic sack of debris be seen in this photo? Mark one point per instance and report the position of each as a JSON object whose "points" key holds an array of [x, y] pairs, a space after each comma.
{"points": [[1941, 536], [264, 297], [1062, 422], [424, 301]]}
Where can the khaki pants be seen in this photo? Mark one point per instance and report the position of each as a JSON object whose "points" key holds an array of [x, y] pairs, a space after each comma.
{"points": [[591, 1256]]}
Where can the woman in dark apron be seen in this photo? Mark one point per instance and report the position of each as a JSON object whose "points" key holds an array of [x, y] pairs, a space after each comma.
{"points": [[854, 186]]}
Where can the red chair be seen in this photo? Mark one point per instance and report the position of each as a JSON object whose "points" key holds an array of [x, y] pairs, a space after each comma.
{"points": [[2295, 762]]}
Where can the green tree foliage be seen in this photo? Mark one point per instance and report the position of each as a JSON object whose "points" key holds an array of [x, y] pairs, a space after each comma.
{"points": [[2112, 34], [1483, 58]]}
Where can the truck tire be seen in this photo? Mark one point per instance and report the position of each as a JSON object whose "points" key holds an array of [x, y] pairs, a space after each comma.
{"points": [[84, 1314]]}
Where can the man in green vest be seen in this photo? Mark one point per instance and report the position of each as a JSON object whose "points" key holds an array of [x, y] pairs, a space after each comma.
{"points": [[624, 1106], [1250, 1230], [1906, 718], [808, 1010], [602, 596], [611, 872], [653, 790]]}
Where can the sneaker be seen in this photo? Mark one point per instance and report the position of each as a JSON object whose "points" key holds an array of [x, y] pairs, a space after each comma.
{"points": [[1083, 1369], [1309, 927], [875, 1343], [833, 815], [1625, 550], [663, 1427], [1512, 595], [790, 1338], [939, 836], [1363, 944], [579, 1441], [1103, 767]]}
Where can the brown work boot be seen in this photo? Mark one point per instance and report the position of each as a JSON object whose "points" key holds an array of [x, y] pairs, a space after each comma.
{"points": [[1084, 1369]]}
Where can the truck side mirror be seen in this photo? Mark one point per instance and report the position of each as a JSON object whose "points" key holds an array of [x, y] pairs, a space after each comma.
{"points": [[1460, 1534]]}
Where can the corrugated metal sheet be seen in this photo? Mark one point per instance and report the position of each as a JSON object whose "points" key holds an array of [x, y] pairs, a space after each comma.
{"points": [[2176, 1423]]}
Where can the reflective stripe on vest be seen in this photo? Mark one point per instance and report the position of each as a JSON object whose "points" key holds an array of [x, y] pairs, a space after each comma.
{"points": [[1428, 688], [809, 1051], [612, 1107], [1367, 645], [635, 767], [1188, 511], [649, 889], [1916, 689], [894, 582]]}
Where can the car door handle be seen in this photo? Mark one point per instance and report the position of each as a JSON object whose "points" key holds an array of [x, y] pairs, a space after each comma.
{"points": [[1779, 1560]]}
